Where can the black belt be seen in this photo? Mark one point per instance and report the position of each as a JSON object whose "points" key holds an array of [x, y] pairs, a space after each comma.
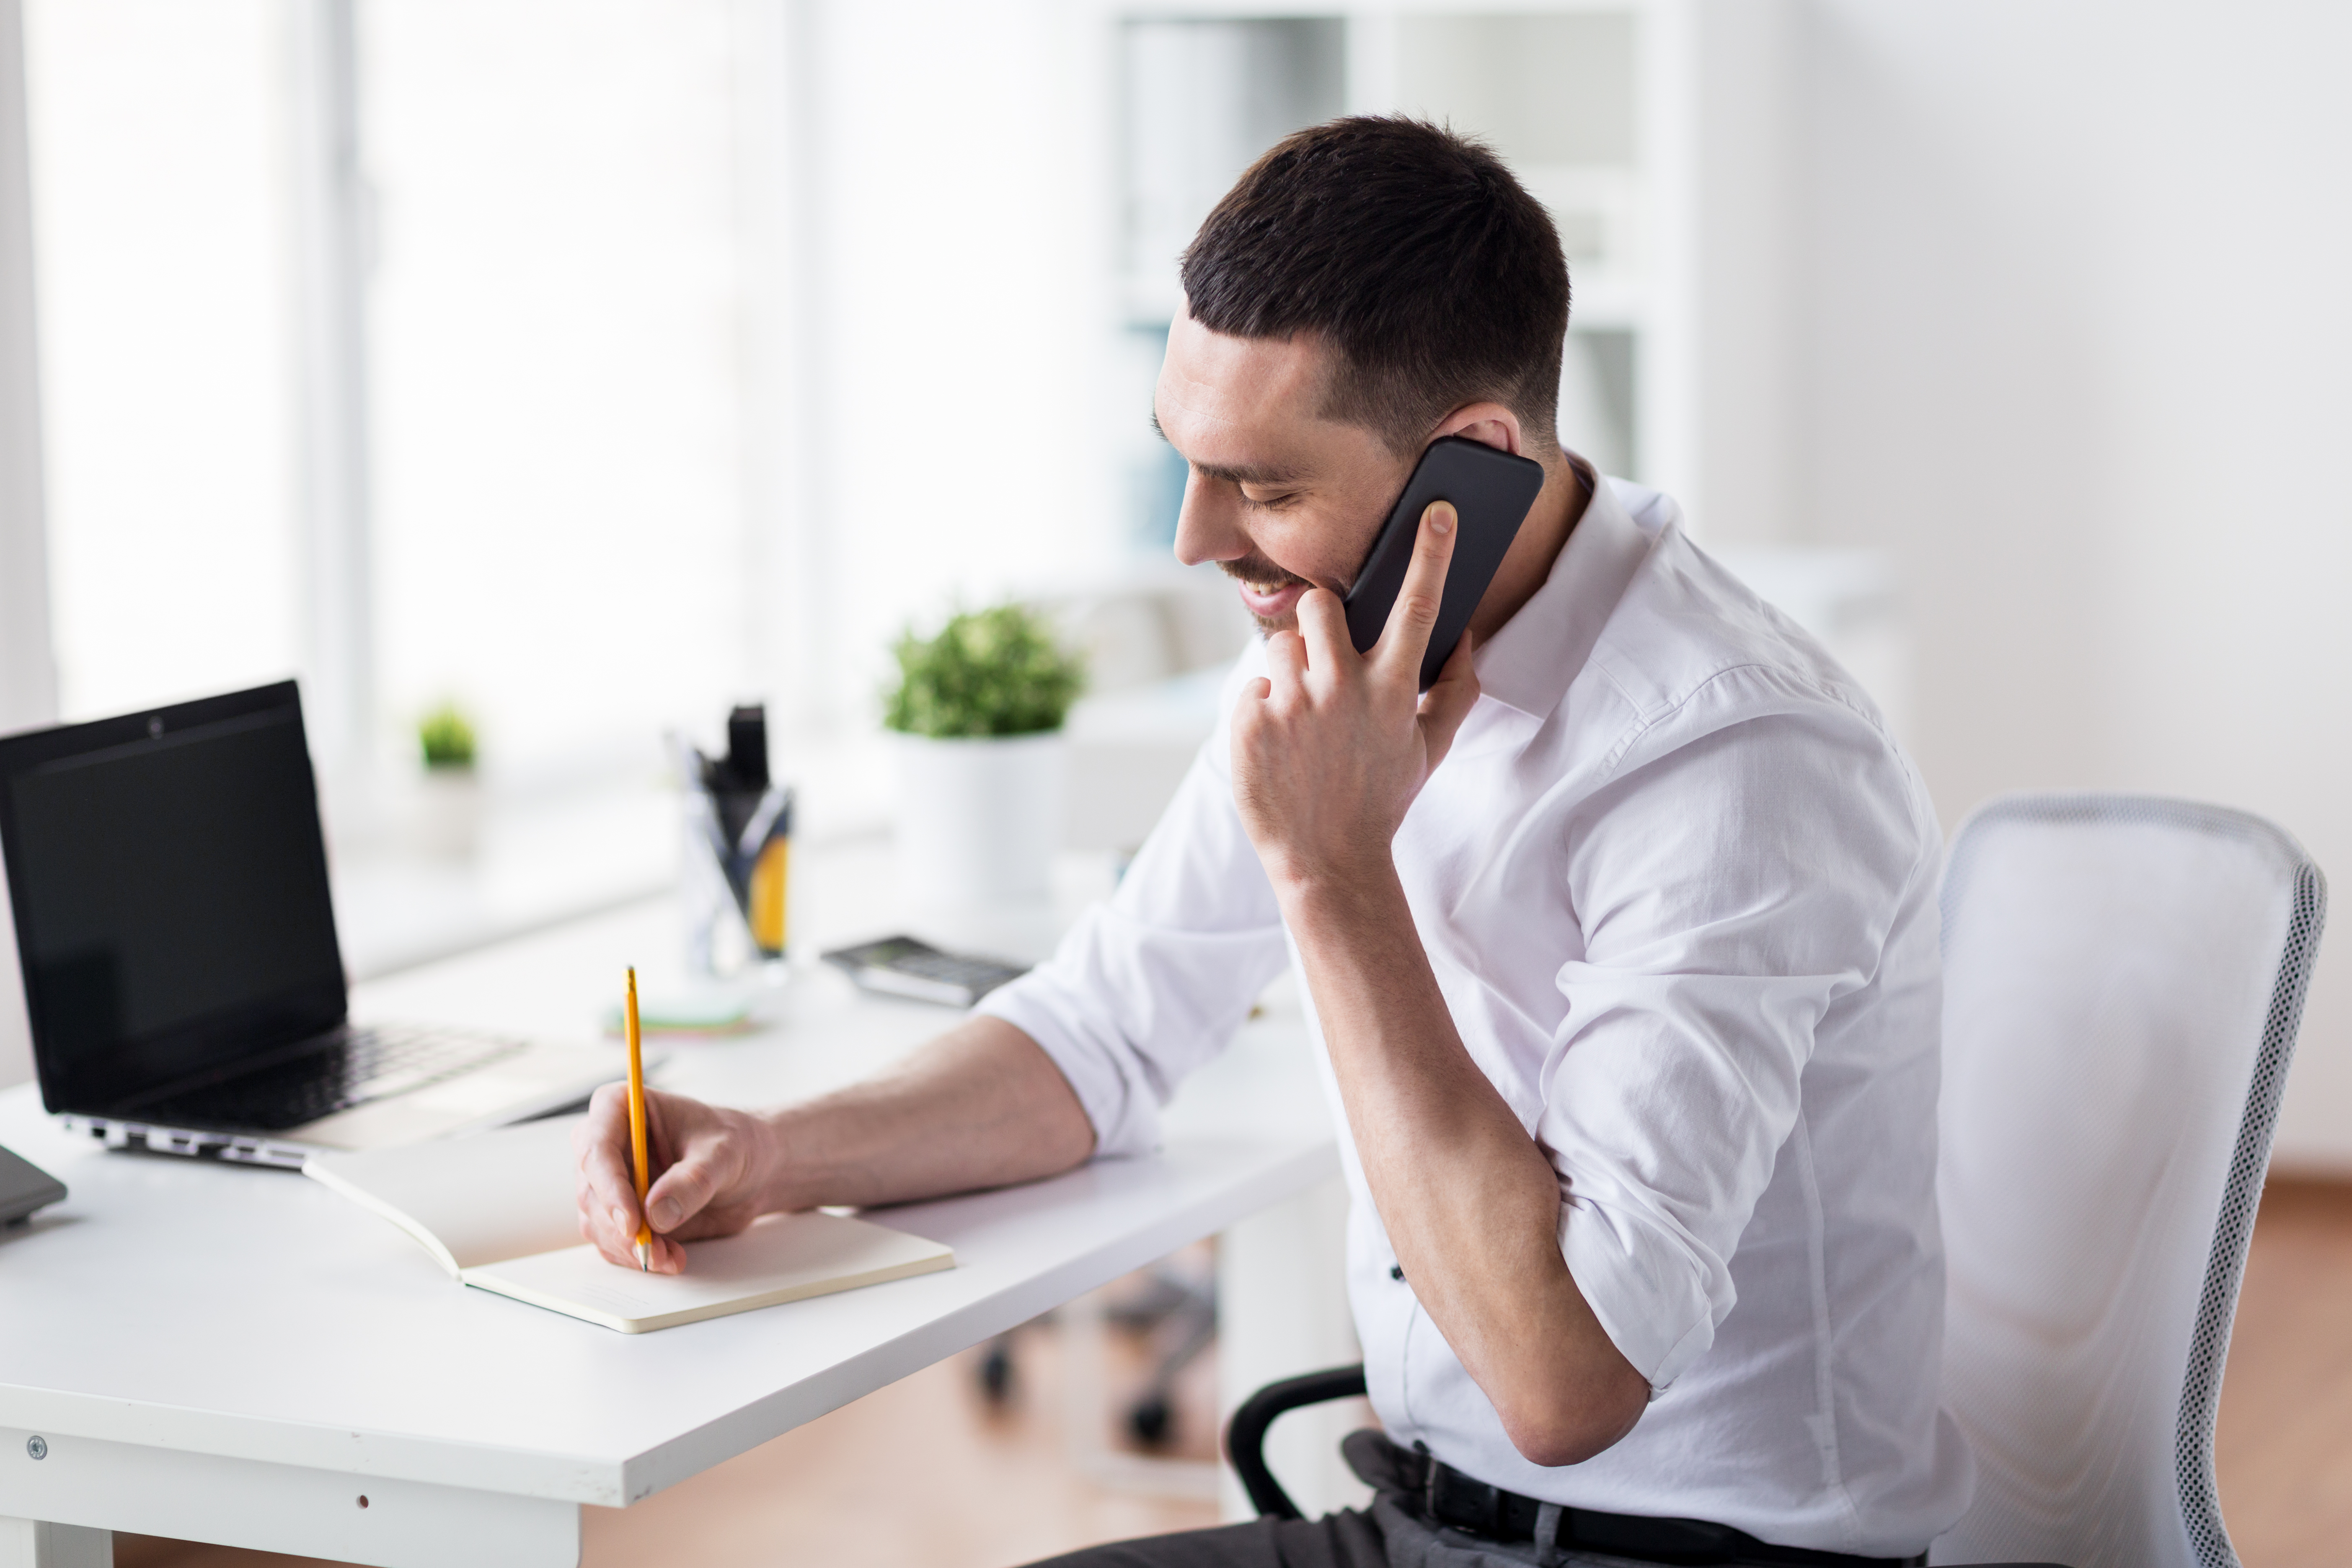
{"points": [[1449, 1497]]}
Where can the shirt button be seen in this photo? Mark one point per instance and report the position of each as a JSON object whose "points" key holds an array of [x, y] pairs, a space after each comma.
{"points": [[1396, 1271]]}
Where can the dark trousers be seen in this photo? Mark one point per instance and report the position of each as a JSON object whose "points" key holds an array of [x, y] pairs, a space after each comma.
{"points": [[1393, 1534], [1345, 1539], [1389, 1534]]}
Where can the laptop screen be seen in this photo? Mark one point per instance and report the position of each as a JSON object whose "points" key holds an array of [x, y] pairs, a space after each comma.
{"points": [[169, 884]]}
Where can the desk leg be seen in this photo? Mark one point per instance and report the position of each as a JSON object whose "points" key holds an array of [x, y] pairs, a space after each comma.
{"points": [[28, 1544], [1282, 1309]]}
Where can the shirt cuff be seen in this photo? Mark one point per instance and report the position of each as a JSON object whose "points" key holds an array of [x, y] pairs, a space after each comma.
{"points": [[1642, 1284], [1125, 1122]]}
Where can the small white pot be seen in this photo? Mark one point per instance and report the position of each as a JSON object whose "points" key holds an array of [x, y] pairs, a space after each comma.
{"points": [[978, 820], [449, 812]]}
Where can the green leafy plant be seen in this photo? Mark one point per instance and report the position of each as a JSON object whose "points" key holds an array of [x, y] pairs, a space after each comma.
{"points": [[448, 738], [988, 672]]}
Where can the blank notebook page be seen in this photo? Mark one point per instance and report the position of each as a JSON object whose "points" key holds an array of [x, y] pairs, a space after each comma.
{"points": [[475, 1200], [499, 1211], [783, 1257]]}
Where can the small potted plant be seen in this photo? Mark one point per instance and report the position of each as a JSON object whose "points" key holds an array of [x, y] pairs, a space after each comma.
{"points": [[449, 814], [979, 710]]}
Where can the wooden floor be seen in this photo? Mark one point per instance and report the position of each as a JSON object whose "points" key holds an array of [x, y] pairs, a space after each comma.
{"points": [[927, 1472], [2283, 1442]]}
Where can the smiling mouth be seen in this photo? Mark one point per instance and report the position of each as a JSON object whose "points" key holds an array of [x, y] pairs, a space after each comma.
{"points": [[1262, 577], [1267, 592]]}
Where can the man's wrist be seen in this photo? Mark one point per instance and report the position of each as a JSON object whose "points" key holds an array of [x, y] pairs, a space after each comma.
{"points": [[782, 1189], [1334, 896]]}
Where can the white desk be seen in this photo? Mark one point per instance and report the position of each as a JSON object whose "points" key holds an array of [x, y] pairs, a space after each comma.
{"points": [[240, 1356]]}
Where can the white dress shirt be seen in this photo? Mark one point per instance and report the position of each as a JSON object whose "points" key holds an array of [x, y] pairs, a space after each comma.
{"points": [[1678, 887]]}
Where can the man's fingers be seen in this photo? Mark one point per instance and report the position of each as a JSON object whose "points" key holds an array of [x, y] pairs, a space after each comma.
{"points": [[608, 1180], [617, 1242], [1323, 629], [1414, 614], [605, 1166], [605, 1225], [608, 1109], [1286, 662], [1447, 702]]}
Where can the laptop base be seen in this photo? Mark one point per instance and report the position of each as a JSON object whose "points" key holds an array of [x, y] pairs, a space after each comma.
{"points": [[528, 1081]]}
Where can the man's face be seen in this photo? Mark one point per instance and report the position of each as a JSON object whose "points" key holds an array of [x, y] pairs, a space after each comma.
{"points": [[1279, 498]]}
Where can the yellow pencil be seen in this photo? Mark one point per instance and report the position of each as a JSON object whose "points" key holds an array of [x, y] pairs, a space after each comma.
{"points": [[637, 1125]]}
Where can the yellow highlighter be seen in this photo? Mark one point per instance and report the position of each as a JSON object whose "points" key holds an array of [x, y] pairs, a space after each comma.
{"points": [[642, 1161]]}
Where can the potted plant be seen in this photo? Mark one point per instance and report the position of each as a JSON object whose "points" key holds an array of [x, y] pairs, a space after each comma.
{"points": [[449, 802], [979, 710]]}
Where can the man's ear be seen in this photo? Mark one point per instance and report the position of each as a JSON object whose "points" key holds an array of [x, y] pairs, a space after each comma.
{"points": [[1490, 424]]}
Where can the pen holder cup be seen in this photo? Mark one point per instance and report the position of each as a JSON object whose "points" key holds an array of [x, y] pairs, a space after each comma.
{"points": [[737, 873]]}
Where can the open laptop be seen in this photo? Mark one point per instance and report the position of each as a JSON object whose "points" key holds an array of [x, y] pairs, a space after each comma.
{"points": [[182, 973]]}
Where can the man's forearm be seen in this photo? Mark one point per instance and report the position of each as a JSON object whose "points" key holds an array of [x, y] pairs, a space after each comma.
{"points": [[983, 1106], [1470, 1202]]}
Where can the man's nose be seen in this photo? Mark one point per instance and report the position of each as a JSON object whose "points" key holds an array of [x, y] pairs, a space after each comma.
{"points": [[1208, 525]]}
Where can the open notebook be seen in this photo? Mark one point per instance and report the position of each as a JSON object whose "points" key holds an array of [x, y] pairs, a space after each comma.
{"points": [[497, 1211]]}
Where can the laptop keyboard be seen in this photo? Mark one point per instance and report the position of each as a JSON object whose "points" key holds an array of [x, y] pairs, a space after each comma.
{"points": [[362, 1065]]}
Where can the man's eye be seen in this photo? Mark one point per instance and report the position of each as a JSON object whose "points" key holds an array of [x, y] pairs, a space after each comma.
{"points": [[1269, 503]]}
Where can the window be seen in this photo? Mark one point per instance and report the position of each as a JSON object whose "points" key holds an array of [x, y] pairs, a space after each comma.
{"points": [[554, 528], [159, 225], [555, 370]]}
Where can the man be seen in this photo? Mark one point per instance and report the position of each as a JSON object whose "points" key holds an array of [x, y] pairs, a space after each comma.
{"points": [[1620, 943]]}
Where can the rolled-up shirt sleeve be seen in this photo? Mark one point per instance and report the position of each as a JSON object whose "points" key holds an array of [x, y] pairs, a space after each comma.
{"points": [[1152, 983], [1713, 949]]}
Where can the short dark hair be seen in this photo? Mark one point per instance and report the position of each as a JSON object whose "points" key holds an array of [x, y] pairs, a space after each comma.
{"points": [[1414, 252]]}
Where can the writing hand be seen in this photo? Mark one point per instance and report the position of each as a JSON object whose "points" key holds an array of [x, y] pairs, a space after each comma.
{"points": [[711, 1171]]}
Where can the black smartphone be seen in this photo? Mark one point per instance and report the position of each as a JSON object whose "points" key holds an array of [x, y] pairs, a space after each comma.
{"points": [[1491, 491]]}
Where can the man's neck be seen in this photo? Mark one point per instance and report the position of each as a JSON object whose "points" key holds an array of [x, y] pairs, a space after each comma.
{"points": [[1568, 487]]}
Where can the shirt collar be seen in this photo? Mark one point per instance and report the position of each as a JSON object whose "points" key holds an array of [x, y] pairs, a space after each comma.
{"points": [[1530, 663]]}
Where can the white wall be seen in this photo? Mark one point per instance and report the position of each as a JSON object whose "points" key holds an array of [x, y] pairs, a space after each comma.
{"points": [[28, 687], [2080, 315], [1739, 274]]}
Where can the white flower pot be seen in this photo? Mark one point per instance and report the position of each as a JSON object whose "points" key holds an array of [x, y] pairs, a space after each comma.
{"points": [[449, 812], [978, 820]]}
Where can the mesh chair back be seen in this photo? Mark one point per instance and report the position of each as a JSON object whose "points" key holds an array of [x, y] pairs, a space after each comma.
{"points": [[2123, 979]]}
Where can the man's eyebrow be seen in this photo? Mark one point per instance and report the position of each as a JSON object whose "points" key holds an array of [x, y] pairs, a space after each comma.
{"points": [[1246, 474]]}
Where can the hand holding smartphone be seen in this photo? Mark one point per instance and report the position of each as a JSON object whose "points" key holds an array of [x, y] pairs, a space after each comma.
{"points": [[1492, 491]]}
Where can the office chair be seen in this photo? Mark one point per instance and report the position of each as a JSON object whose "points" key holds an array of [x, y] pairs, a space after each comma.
{"points": [[2123, 981]]}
